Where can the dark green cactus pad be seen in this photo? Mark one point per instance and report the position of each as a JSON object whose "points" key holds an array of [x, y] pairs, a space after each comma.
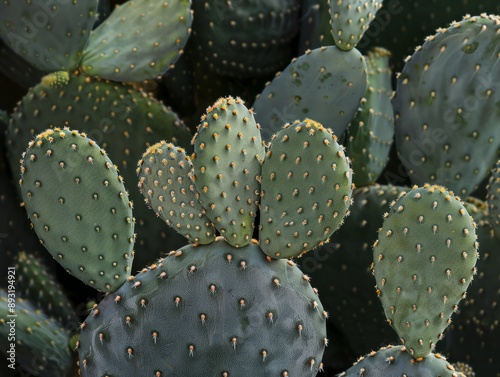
{"points": [[140, 40], [306, 189], [446, 106], [79, 207], [243, 39], [371, 132], [396, 362], [227, 164], [41, 344], [341, 270], [208, 310], [494, 199], [49, 35], [35, 283], [315, 29], [122, 120], [350, 19], [473, 335], [165, 180], [424, 260], [16, 68], [325, 84]]}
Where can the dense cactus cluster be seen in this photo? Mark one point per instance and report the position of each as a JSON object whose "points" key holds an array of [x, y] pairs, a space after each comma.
{"points": [[197, 167]]}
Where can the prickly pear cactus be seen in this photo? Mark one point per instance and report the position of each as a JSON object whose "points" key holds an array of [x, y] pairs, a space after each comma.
{"points": [[79, 207], [325, 84], [424, 260], [350, 19], [494, 199], [446, 106], [208, 309], [306, 189], [396, 362]]}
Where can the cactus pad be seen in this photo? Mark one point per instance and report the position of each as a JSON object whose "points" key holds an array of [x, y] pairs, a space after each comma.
{"points": [[494, 199], [139, 40], [306, 189], [208, 309], [165, 180], [424, 260], [227, 162], [79, 207]]}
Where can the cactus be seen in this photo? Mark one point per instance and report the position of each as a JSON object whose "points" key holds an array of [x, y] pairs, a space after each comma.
{"points": [[445, 106], [315, 28], [494, 199], [306, 189], [325, 84], [96, 240], [370, 133], [424, 260], [350, 19]]}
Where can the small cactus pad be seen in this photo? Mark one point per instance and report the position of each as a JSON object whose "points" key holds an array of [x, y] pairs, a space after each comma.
{"points": [[208, 310], [494, 199], [446, 106], [139, 40], [350, 19], [79, 207], [227, 163], [424, 260], [394, 361], [165, 180], [36, 283], [326, 84], [371, 132], [243, 39], [306, 189], [48, 34], [41, 344]]}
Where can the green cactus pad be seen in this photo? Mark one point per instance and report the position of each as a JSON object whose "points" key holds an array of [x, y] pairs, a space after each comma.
{"points": [[17, 69], [350, 19], [79, 207], [315, 29], [49, 35], [424, 260], [446, 106], [306, 189], [41, 344], [494, 199], [371, 132], [227, 163], [165, 180], [394, 361], [243, 39], [139, 40], [121, 119], [208, 310], [325, 84], [35, 283]]}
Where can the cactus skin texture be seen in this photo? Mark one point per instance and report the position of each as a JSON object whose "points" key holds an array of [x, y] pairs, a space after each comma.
{"points": [[165, 180], [208, 309], [350, 19], [49, 35], [79, 207], [148, 37], [326, 84], [227, 163], [371, 132], [446, 106], [42, 344], [424, 260], [394, 361], [247, 38], [306, 189], [494, 199], [315, 29]]}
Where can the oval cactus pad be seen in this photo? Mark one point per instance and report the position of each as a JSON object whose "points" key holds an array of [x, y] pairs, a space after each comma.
{"points": [[79, 207]]}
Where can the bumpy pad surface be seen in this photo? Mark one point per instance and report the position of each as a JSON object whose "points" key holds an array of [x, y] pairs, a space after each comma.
{"points": [[209, 310], [494, 199], [79, 207], [424, 260]]}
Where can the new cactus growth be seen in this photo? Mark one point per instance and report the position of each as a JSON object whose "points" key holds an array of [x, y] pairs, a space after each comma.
{"points": [[424, 260]]}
